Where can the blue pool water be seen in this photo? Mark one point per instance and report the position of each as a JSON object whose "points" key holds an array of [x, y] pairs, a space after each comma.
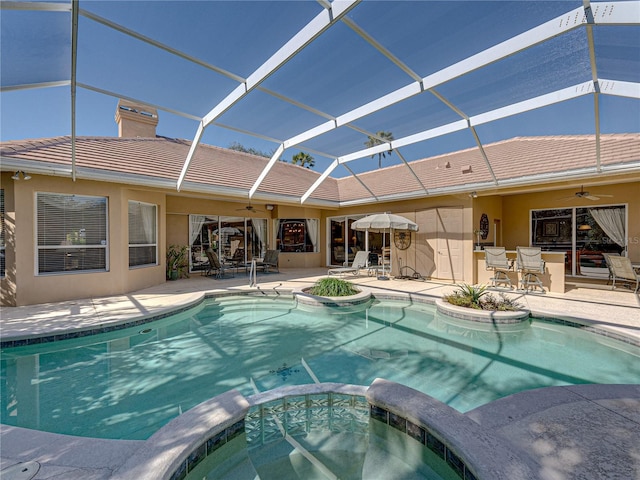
{"points": [[127, 384]]}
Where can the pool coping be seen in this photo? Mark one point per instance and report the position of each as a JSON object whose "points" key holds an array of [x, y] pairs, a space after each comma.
{"points": [[496, 441], [470, 451], [110, 325], [104, 447]]}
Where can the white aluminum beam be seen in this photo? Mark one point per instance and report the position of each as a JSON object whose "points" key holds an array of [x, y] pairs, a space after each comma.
{"points": [[192, 150], [311, 133], [524, 106], [135, 100], [431, 133], [319, 181], [297, 43], [594, 76], [74, 61], [572, 19], [33, 86], [265, 171], [533, 103], [380, 103], [40, 6], [534, 36], [616, 13], [160, 45], [618, 88], [368, 152]]}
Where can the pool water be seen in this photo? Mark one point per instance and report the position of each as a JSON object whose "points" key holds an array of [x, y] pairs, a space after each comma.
{"points": [[128, 384]]}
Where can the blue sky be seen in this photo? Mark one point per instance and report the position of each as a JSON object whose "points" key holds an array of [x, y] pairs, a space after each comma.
{"points": [[336, 73]]}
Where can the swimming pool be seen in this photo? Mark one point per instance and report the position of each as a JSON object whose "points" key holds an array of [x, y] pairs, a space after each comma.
{"points": [[127, 384]]}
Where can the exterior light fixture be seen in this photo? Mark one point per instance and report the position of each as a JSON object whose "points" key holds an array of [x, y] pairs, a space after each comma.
{"points": [[25, 176], [473, 194], [584, 228], [269, 207]]}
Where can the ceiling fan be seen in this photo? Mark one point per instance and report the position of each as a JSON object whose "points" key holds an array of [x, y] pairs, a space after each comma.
{"points": [[248, 208], [585, 194]]}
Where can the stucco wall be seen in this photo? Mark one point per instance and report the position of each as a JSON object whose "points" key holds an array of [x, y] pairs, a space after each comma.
{"points": [[22, 286], [31, 288], [516, 210]]}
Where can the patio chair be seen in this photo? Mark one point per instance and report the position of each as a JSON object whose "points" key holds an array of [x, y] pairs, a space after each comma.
{"points": [[606, 259], [530, 265], [360, 262], [215, 267], [622, 270], [270, 260], [495, 259]]}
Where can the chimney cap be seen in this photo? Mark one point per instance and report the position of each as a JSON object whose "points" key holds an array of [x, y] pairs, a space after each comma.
{"points": [[136, 119]]}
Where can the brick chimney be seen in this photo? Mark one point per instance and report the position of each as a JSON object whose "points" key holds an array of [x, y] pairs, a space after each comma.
{"points": [[136, 120]]}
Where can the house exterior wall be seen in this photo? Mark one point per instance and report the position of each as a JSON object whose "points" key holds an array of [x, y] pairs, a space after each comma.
{"points": [[516, 210], [409, 209], [22, 286], [8, 282]]}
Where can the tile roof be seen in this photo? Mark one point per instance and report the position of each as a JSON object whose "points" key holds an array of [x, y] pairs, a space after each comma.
{"points": [[518, 157], [215, 169]]}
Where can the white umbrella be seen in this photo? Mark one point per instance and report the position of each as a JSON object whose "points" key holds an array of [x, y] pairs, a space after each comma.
{"points": [[380, 222], [230, 231]]}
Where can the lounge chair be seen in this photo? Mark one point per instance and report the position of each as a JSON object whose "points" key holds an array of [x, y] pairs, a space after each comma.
{"points": [[360, 262], [215, 267], [622, 270], [606, 259], [496, 260], [270, 260], [530, 265]]}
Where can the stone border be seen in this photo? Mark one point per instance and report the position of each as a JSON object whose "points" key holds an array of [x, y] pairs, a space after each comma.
{"points": [[483, 316], [553, 317], [362, 298], [471, 451]]}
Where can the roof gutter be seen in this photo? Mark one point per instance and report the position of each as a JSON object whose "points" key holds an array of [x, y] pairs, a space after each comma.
{"points": [[530, 180]]}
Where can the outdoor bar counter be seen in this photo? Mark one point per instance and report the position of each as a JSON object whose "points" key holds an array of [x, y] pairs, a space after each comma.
{"points": [[552, 279]]}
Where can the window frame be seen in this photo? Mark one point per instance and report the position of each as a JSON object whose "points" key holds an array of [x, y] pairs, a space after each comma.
{"points": [[155, 263], [104, 245], [284, 247]]}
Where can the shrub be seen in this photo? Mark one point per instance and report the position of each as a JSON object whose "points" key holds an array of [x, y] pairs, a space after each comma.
{"points": [[333, 287], [477, 297]]}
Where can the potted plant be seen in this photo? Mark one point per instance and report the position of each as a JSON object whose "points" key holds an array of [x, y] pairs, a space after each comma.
{"points": [[477, 297], [333, 287], [177, 261]]}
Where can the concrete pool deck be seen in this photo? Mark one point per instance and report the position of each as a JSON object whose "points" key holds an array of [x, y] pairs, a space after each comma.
{"points": [[563, 433]]}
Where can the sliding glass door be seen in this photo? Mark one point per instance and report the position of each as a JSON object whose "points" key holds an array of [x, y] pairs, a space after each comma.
{"points": [[344, 241], [234, 239]]}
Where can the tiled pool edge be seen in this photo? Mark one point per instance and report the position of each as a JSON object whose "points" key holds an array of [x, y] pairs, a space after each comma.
{"points": [[469, 450], [553, 317], [71, 333]]}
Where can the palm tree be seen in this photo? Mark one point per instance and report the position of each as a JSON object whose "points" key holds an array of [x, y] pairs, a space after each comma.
{"points": [[303, 159], [379, 138]]}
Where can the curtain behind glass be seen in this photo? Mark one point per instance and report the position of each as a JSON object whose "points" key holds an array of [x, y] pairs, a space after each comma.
{"points": [[611, 220], [312, 232]]}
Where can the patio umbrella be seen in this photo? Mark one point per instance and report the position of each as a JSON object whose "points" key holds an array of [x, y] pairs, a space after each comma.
{"points": [[229, 231], [380, 222]]}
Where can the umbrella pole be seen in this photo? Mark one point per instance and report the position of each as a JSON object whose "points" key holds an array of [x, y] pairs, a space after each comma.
{"points": [[384, 244]]}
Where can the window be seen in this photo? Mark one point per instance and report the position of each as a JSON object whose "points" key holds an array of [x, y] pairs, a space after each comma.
{"points": [[298, 235], [2, 235], [71, 233], [584, 234], [143, 237]]}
